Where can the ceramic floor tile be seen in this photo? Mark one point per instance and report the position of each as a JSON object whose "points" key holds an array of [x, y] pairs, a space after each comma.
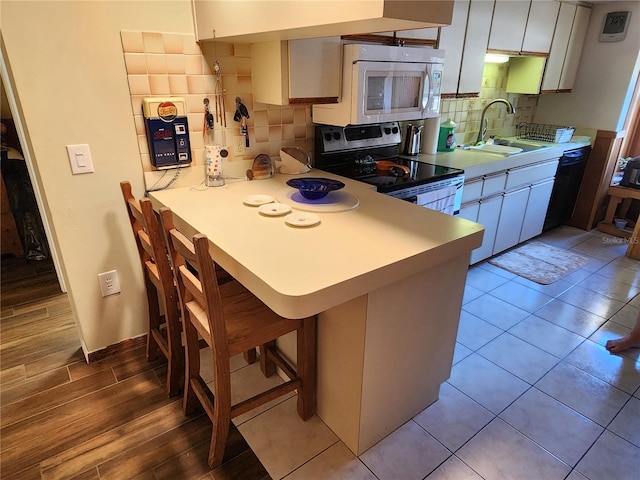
{"points": [[337, 462], [484, 280], [519, 357], [491, 386], [408, 453], [454, 418], [611, 288], [565, 237], [591, 301], [611, 457], [552, 425], [553, 289], [578, 275], [635, 302], [615, 271], [521, 296], [283, 441], [586, 394], [575, 475], [495, 311], [611, 331], [620, 371], [574, 319], [548, 336], [627, 422], [497, 270], [603, 247], [501, 452], [627, 315], [460, 352], [473, 332], [471, 293], [249, 381], [453, 469]]}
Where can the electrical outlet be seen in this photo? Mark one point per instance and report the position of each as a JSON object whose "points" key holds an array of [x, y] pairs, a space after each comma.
{"points": [[109, 283], [239, 145]]}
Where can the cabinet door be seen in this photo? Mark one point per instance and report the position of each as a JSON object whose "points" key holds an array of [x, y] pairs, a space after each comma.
{"points": [[574, 49], [469, 211], [488, 216], [452, 42], [512, 213], [475, 46], [540, 26], [551, 79], [508, 25], [537, 206]]}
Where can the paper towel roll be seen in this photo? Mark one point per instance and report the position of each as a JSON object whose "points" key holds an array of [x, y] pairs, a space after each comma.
{"points": [[430, 135]]}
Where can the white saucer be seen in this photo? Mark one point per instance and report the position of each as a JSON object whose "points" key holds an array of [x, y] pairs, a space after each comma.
{"points": [[257, 200], [302, 219], [274, 209]]}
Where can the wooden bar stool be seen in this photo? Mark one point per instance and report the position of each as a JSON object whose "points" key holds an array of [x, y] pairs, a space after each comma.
{"points": [[232, 320], [164, 329]]}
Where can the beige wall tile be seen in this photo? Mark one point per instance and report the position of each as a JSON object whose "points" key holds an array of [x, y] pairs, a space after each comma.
{"points": [[244, 85], [132, 42], [193, 65], [275, 133], [178, 85], [156, 64], [196, 84], [139, 85], [260, 118], [135, 63], [153, 42], [189, 45], [172, 43], [139, 122], [262, 134], [159, 84], [176, 64]]}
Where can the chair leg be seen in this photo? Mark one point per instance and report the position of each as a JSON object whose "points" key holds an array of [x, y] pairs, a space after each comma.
{"points": [[192, 367], [250, 356], [266, 364], [221, 415], [154, 320], [175, 368], [306, 337]]}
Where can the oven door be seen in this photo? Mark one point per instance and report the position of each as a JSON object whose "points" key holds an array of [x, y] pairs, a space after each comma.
{"points": [[395, 91]]}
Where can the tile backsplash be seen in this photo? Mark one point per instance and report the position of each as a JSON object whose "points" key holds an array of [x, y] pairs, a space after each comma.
{"points": [[173, 64]]}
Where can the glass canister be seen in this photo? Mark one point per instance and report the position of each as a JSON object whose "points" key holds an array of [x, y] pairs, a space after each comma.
{"points": [[447, 136]]}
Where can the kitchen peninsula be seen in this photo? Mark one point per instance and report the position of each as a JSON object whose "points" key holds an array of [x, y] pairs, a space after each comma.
{"points": [[386, 279]]}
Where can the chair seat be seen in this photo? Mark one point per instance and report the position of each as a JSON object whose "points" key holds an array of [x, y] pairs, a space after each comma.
{"points": [[249, 322]]}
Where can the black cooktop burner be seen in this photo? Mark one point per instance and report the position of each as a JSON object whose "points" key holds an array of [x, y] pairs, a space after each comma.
{"points": [[393, 174]]}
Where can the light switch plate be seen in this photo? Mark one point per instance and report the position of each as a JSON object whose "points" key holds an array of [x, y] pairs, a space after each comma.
{"points": [[80, 159]]}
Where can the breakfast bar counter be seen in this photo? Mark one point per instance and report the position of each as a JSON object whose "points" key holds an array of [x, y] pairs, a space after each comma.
{"points": [[386, 279]]}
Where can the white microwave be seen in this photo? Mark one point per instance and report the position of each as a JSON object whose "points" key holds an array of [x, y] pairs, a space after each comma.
{"points": [[383, 83]]}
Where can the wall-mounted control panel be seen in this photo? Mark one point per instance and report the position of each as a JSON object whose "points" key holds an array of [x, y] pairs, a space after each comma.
{"points": [[167, 131]]}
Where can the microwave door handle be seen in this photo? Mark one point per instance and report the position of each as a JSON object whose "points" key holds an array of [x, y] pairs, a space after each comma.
{"points": [[426, 92]]}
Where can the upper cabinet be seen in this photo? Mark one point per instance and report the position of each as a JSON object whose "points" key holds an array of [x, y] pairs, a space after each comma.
{"points": [[452, 42], [475, 47], [296, 71], [508, 25], [523, 27], [566, 48], [257, 20]]}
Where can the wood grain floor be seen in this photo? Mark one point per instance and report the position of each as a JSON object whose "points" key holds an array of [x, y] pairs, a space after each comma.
{"points": [[63, 418]]}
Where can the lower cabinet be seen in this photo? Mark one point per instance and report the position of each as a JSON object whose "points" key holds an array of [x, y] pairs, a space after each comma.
{"points": [[539, 198], [514, 206], [488, 217]]}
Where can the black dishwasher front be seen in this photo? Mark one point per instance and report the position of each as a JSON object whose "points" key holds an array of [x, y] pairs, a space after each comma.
{"points": [[566, 187]]}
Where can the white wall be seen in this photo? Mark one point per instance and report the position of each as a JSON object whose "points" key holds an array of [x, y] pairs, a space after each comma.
{"points": [[69, 76], [606, 77]]}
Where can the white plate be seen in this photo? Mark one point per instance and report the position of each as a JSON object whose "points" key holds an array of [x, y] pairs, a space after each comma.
{"points": [[274, 209], [302, 219], [257, 200]]}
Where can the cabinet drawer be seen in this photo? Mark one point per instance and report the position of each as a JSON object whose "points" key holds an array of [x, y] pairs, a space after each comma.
{"points": [[494, 183], [472, 190], [531, 174]]}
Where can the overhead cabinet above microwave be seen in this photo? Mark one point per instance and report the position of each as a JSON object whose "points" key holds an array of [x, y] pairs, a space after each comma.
{"points": [[251, 21]]}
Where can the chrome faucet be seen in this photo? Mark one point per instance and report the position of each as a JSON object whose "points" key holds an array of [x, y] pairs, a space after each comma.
{"points": [[483, 121]]}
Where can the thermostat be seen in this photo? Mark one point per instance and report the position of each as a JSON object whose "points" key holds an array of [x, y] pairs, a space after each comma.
{"points": [[615, 26]]}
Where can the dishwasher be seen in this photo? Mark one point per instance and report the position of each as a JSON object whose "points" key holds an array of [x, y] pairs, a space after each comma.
{"points": [[566, 187]]}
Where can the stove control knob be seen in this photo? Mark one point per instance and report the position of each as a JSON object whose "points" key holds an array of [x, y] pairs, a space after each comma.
{"points": [[327, 137], [394, 130], [336, 135], [387, 130]]}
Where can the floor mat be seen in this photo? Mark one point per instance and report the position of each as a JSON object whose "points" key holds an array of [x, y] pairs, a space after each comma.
{"points": [[539, 262]]}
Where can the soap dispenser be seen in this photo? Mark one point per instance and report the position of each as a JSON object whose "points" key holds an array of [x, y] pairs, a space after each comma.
{"points": [[447, 136]]}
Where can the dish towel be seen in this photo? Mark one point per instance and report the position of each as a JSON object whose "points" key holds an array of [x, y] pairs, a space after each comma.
{"points": [[442, 200]]}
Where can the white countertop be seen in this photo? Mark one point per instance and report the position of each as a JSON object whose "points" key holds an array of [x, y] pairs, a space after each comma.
{"points": [[477, 163], [302, 271]]}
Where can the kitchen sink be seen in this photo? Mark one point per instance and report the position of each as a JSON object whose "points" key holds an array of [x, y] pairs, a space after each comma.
{"points": [[524, 145]]}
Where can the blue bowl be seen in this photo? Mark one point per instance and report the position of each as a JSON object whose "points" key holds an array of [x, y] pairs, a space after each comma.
{"points": [[314, 188]]}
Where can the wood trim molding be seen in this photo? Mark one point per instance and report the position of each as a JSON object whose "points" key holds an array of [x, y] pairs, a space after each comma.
{"points": [[386, 40], [117, 348], [312, 100]]}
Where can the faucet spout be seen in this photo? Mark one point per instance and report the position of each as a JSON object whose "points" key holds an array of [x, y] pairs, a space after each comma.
{"points": [[483, 121]]}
